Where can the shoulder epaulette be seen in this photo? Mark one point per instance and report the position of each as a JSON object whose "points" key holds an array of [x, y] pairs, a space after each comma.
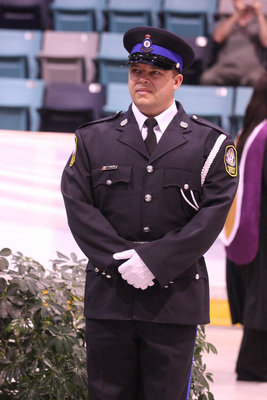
{"points": [[109, 118], [205, 122]]}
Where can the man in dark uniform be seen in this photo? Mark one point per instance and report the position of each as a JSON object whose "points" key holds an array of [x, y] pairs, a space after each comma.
{"points": [[147, 193]]}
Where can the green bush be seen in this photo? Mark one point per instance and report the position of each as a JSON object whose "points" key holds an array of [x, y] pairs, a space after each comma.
{"points": [[42, 332]]}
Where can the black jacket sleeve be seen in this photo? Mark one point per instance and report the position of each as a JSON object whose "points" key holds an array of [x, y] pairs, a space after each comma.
{"points": [[86, 222]]}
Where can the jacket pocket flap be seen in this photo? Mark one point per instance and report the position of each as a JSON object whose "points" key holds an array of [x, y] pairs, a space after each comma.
{"points": [[181, 178], [108, 177]]}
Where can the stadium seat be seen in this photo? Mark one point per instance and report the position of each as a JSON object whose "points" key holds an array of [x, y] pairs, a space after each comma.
{"points": [[214, 103], [78, 15], [189, 19], [203, 47], [18, 50], [19, 101], [68, 56], [24, 14], [111, 57], [123, 15], [242, 97], [68, 105], [117, 98]]}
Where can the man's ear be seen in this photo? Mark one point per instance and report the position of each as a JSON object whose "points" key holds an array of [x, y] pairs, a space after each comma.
{"points": [[178, 79]]}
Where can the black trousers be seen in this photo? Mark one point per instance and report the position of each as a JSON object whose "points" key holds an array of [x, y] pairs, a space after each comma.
{"points": [[252, 359], [136, 360]]}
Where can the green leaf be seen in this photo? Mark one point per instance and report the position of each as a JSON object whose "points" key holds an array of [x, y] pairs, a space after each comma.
{"points": [[213, 348], [32, 287], [12, 310], [74, 257], [5, 252], [12, 289], [22, 269], [17, 300], [210, 396], [3, 284], [60, 255], [3, 263], [3, 310]]}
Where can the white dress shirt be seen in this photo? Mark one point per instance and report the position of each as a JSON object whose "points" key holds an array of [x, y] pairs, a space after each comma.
{"points": [[162, 119]]}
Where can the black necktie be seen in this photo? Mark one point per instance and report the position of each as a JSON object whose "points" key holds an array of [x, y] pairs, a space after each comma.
{"points": [[150, 140]]}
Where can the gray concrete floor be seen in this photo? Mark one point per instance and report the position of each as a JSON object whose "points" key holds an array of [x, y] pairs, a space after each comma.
{"points": [[222, 365]]}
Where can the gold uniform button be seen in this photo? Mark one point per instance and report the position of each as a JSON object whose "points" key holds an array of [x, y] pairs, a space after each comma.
{"points": [[96, 269], [148, 198], [103, 273], [109, 182], [186, 186], [108, 276], [197, 277], [149, 169]]}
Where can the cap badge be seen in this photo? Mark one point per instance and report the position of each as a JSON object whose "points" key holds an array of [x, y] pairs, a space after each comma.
{"points": [[147, 44], [124, 122]]}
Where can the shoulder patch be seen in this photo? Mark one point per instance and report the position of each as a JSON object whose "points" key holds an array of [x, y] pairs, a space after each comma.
{"points": [[230, 160], [73, 157], [109, 118], [205, 122]]}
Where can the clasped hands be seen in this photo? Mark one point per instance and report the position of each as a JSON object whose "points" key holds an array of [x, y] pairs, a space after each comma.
{"points": [[134, 270]]}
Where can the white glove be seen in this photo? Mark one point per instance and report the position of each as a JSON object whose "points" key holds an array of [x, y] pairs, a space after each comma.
{"points": [[134, 270]]}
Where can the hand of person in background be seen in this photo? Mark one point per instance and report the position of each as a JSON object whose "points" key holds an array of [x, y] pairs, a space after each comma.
{"points": [[134, 270]]}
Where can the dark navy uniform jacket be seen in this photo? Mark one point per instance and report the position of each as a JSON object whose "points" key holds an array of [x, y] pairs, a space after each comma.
{"points": [[119, 198]]}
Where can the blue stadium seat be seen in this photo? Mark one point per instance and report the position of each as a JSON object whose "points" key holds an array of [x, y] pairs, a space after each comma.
{"points": [[242, 97], [19, 101], [117, 98], [24, 14], [123, 15], [111, 56], [189, 18], [67, 105], [18, 51], [78, 15], [214, 103]]}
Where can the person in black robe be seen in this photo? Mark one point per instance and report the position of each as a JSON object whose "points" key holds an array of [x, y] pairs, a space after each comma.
{"points": [[247, 282]]}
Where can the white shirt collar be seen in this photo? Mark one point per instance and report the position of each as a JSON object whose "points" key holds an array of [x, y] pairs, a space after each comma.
{"points": [[162, 119]]}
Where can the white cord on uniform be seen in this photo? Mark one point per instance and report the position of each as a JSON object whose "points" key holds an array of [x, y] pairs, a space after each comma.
{"points": [[205, 170], [186, 199], [210, 159]]}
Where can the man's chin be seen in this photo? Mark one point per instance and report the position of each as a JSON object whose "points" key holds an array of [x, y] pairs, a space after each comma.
{"points": [[142, 100]]}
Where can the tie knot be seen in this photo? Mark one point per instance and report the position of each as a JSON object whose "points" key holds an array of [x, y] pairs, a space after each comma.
{"points": [[151, 123]]}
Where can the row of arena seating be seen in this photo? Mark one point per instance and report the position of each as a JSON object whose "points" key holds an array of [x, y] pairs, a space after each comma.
{"points": [[187, 18], [27, 104], [79, 56]]}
